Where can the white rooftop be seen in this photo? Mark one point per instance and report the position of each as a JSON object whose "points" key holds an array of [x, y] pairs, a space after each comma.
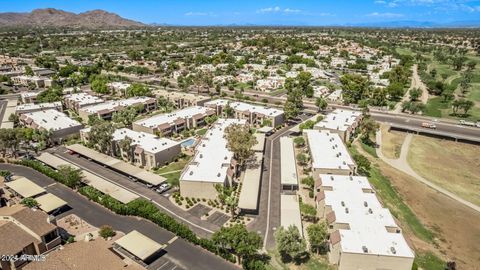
{"points": [[366, 217], [288, 169], [290, 212], [38, 107], [212, 157], [146, 141], [29, 94], [83, 98], [339, 120], [327, 150], [169, 118], [112, 104], [52, 120], [241, 106]]}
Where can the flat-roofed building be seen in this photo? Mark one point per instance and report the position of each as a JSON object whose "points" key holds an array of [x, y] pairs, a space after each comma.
{"points": [[212, 164], [25, 80], [181, 99], [50, 203], [29, 97], [105, 110], [290, 212], [249, 194], [146, 150], [138, 245], [58, 123], [363, 234], [328, 153], [288, 168], [340, 121], [118, 88], [76, 101], [254, 114], [24, 231], [174, 122], [31, 107]]}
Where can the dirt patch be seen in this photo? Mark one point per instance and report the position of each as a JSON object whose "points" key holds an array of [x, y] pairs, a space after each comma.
{"points": [[455, 225], [453, 166], [391, 142]]}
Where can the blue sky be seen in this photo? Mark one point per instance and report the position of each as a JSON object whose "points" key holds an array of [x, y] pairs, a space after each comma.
{"points": [[284, 12]]}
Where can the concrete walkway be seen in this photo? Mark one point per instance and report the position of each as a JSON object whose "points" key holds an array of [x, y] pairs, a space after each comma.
{"points": [[401, 164]]}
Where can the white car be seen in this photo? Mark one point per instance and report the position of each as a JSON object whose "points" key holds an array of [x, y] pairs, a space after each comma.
{"points": [[163, 187]]}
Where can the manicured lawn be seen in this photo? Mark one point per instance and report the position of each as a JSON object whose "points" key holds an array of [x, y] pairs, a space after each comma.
{"points": [[173, 178], [370, 149], [201, 132], [174, 166], [435, 106], [453, 166]]}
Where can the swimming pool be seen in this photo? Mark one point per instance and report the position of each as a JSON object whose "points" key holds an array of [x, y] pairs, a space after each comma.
{"points": [[188, 143]]}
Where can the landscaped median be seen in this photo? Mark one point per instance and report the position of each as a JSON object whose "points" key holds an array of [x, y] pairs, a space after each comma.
{"points": [[138, 207]]}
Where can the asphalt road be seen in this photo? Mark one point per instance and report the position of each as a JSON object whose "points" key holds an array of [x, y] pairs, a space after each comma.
{"points": [[180, 252], [3, 107], [201, 228]]}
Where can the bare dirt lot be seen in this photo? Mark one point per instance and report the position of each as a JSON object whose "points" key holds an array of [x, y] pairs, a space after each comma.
{"points": [[453, 166], [455, 226]]}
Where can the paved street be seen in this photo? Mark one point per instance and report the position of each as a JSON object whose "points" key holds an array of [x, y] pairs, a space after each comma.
{"points": [[180, 252], [200, 227]]}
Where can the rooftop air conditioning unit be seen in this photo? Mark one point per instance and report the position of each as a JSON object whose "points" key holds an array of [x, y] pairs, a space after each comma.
{"points": [[393, 250], [365, 249], [370, 210]]}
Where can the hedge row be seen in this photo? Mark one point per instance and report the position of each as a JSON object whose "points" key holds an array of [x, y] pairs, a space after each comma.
{"points": [[138, 207]]}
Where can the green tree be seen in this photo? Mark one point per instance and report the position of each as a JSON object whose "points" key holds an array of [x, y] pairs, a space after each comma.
{"points": [[309, 212], [72, 177], [238, 240], [125, 146], [363, 164], [29, 202], [28, 71], [302, 159], [415, 93], [321, 103], [228, 111], [290, 244], [368, 129], [240, 141], [294, 104], [99, 85], [355, 88], [101, 136], [137, 90], [299, 141], [318, 236]]}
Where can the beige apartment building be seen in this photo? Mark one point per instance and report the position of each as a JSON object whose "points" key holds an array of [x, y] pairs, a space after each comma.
{"points": [[174, 122], [105, 110], [24, 231], [255, 114], [58, 123], [340, 121], [363, 234]]}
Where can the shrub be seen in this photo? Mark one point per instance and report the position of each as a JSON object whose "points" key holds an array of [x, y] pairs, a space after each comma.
{"points": [[106, 231]]}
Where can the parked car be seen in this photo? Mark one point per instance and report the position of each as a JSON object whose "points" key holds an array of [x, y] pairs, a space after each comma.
{"points": [[429, 125], [163, 187], [467, 123]]}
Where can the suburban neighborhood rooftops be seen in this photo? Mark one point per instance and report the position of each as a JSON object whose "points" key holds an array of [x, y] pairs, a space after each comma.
{"points": [[139, 245], [112, 105], [169, 118], [51, 119], [25, 187], [328, 151], [212, 157], [35, 220], [241, 106], [49, 202], [339, 120], [146, 141], [288, 169], [179, 95], [14, 239], [352, 200]]}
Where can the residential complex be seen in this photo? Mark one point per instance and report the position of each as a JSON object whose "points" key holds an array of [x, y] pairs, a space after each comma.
{"points": [[181, 99], [340, 121], [174, 122], [328, 153], [105, 110], [363, 234], [212, 163], [76, 101], [288, 168], [31, 107], [254, 114], [59, 124]]}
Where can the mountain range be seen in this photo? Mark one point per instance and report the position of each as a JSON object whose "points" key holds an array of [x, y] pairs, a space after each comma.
{"points": [[50, 17]]}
